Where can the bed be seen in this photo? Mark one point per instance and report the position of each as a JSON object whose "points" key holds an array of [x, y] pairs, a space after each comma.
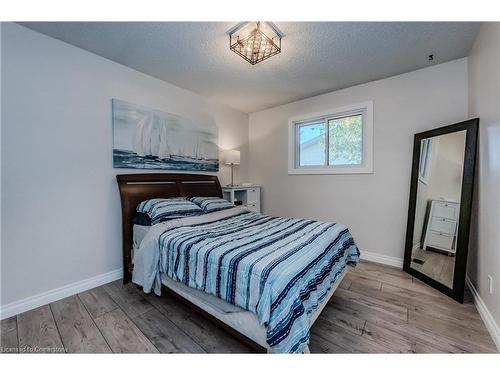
{"points": [[264, 279]]}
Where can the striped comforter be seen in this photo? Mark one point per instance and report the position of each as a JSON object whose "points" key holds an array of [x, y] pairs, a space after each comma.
{"points": [[278, 268]]}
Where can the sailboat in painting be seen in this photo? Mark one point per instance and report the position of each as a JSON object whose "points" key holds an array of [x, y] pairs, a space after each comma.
{"points": [[163, 149], [158, 140]]}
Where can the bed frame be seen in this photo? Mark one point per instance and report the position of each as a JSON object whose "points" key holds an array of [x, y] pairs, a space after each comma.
{"points": [[135, 188]]}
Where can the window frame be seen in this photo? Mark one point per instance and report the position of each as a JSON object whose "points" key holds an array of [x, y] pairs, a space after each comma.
{"points": [[294, 123]]}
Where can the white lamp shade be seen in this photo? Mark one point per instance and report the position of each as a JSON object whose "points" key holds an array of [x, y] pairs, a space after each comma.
{"points": [[231, 157]]}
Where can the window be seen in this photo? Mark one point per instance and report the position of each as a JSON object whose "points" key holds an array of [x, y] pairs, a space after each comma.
{"points": [[338, 141], [312, 140]]}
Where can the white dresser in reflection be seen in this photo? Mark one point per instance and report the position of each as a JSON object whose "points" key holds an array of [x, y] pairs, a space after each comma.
{"points": [[248, 196], [441, 232]]}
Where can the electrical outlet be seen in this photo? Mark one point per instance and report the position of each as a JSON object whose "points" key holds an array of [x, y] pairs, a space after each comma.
{"points": [[490, 280]]}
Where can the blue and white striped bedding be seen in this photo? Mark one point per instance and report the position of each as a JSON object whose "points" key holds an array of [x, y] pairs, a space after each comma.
{"points": [[279, 268]]}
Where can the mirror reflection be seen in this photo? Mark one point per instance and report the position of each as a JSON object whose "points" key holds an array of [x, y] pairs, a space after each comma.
{"points": [[438, 206]]}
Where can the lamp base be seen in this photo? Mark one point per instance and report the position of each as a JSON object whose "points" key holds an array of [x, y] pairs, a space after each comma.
{"points": [[232, 174]]}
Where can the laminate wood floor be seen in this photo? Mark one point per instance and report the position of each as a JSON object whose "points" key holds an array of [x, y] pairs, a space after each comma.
{"points": [[376, 309]]}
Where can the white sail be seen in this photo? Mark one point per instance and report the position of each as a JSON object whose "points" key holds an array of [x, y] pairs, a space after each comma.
{"points": [[164, 150], [146, 138], [138, 138], [189, 142], [155, 140], [196, 148]]}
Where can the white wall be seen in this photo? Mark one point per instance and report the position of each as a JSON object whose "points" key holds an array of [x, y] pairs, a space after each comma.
{"points": [[60, 203], [484, 256], [374, 206]]}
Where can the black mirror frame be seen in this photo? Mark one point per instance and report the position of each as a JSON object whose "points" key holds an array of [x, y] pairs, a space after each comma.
{"points": [[471, 127]]}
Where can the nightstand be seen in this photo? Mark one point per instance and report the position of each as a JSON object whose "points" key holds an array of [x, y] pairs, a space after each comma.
{"points": [[248, 196]]}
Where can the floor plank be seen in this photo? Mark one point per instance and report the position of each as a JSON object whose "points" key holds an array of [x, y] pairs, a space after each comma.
{"points": [[482, 341], [8, 324], [8, 341], [317, 344], [387, 273], [387, 307], [78, 331], [392, 276], [165, 335], [363, 312], [38, 332], [463, 319], [358, 282], [97, 302], [345, 283], [398, 342], [210, 337], [348, 321], [442, 308], [416, 298], [446, 311], [365, 286], [132, 303], [348, 341], [122, 334], [435, 343]]}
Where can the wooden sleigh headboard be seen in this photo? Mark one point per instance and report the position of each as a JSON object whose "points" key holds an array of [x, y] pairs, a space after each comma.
{"points": [[135, 188]]}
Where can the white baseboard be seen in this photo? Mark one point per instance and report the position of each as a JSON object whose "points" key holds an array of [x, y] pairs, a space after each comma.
{"points": [[41, 299], [383, 259], [485, 314]]}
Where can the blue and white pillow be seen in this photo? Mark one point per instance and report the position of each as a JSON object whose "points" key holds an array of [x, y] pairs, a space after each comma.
{"points": [[211, 204], [161, 209]]}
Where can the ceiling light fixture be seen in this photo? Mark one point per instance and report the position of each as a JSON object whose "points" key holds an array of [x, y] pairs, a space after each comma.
{"points": [[255, 41]]}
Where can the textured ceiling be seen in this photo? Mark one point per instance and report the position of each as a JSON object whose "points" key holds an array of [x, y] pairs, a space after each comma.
{"points": [[317, 57]]}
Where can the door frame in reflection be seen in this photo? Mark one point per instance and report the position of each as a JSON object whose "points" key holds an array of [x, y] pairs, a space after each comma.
{"points": [[462, 247]]}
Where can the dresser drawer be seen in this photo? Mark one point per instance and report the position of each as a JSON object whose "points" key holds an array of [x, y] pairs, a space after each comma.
{"points": [[442, 225], [253, 195], [446, 210], [440, 241]]}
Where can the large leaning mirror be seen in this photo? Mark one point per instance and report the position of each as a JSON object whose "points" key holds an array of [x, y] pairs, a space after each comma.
{"points": [[442, 180]]}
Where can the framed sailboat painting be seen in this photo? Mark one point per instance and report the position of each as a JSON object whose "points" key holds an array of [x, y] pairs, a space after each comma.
{"points": [[145, 138]]}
